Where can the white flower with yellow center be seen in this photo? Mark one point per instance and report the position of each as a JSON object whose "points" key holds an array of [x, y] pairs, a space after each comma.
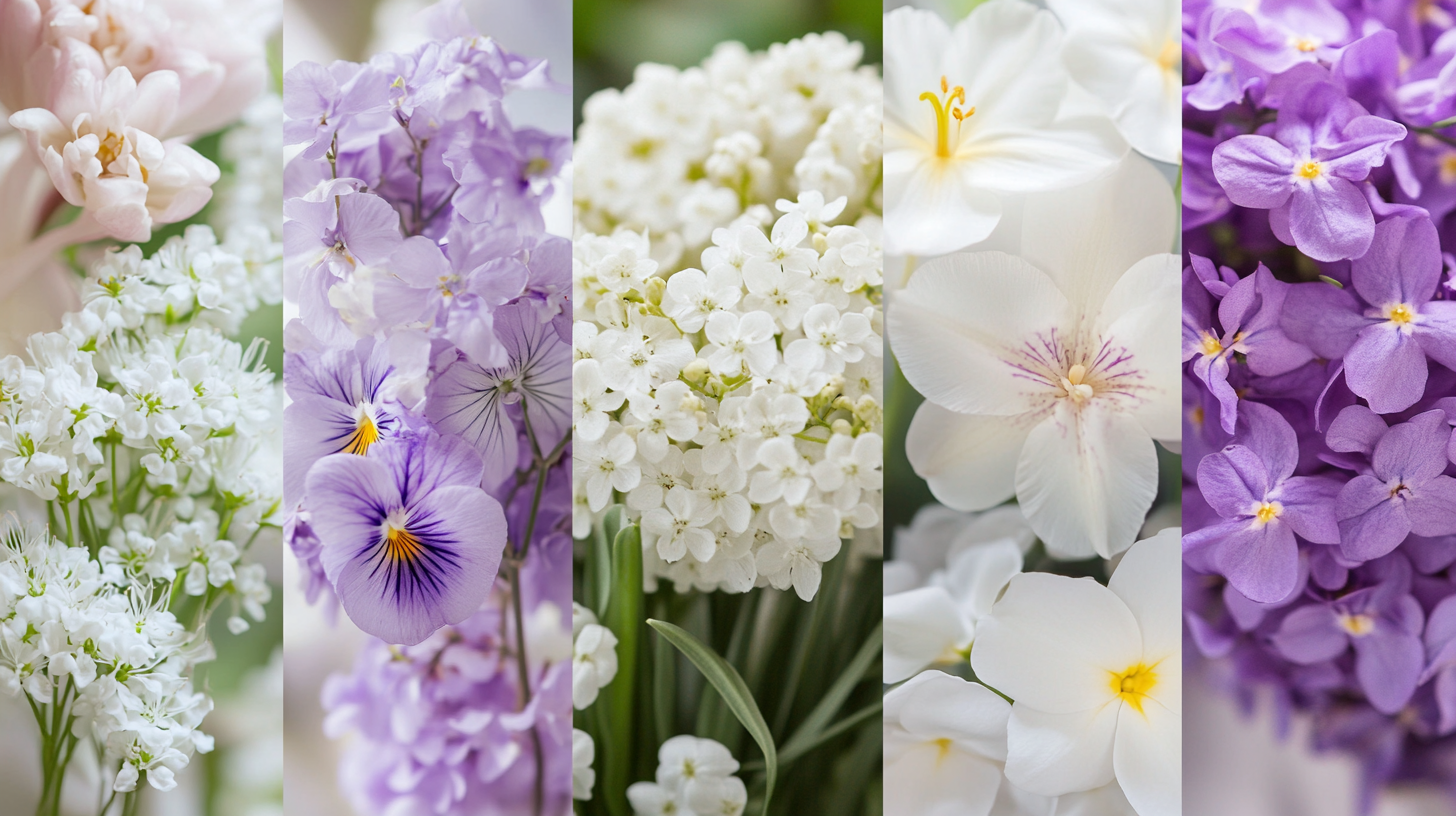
{"points": [[1096, 675], [973, 113], [1048, 375], [1129, 54]]}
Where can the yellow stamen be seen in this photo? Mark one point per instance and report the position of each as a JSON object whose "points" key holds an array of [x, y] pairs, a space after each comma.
{"points": [[1076, 373], [1268, 511], [1310, 170], [944, 112], [1447, 165], [400, 544], [1171, 57], [1400, 314], [1357, 625], [365, 433], [943, 745], [1211, 345], [1133, 684], [1305, 44]]}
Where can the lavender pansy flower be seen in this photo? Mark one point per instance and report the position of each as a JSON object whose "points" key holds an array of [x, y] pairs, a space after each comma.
{"points": [[410, 541], [1387, 327], [1323, 144], [1250, 484], [1383, 624], [1405, 491]]}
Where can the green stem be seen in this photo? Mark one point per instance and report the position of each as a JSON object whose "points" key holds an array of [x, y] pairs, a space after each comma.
{"points": [[523, 666]]}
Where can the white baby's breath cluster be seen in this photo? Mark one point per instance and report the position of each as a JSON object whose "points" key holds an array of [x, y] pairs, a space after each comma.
{"points": [[684, 152], [106, 647], [736, 407], [694, 778], [151, 437]]}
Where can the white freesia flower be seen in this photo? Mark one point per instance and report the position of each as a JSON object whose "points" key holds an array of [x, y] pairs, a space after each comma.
{"points": [[593, 663], [694, 778], [1049, 375], [973, 113], [583, 754], [1129, 55], [937, 623], [99, 142], [1096, 673]]}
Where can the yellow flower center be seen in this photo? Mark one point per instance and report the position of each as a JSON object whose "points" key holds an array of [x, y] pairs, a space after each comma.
{"points": [[945, 111], [1399, 314], [1305, 44], [1211, 345], [1133, 684], [1074, 384], [1171, 57], [400, 545], [1357, 625], [942, 746], [365, 433], [1267, 512], [1309, 170], [1448, 168]]}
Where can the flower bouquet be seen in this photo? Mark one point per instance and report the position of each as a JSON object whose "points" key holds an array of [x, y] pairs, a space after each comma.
{"points": [[1033, 651], [139, 450], [1320, 338], [425, 481], [727, 411]]}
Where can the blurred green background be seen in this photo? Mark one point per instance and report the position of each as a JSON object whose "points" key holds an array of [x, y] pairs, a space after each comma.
{"points": [[612, 36]]}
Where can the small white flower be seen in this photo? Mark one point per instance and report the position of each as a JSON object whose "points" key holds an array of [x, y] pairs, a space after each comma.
{"points": [[606, 465], [679, 528], [593, 663], [583, 754], [591, 401], [796, 564], [692, 296]]}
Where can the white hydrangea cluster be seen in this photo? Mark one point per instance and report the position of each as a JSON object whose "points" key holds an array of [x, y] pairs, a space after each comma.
{"points": [[593, 659], [106, 650], [694, 778], [737, 410], [684, 152]]}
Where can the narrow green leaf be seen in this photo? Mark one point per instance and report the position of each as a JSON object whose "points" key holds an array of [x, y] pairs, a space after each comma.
{"points": [[734, 692], [830, 703], [793, 752], [600, 563], [623, 615], [664, 687]]}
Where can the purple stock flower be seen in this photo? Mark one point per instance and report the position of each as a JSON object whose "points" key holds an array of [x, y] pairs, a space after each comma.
{"points": [[1440, 640], [317, 100], [1324, 143], [1405, 491], [1250, 484], [1383, 624], [410, 541], [1283, 33], [1389, 325]]}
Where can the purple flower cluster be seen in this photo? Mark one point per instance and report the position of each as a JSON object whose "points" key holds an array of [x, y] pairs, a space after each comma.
{"points": [[427, 435], [1319, 337]]}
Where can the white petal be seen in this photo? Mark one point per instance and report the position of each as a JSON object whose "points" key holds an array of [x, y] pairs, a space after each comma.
{"points": [[1054, 643], [1087, 237], [969, 461], [1107, 800], [1005, 54], [1053, 157], [977, 575], [914, 44], [1053, 754], [1086, 479], [935, 705], [927, 780], [1143, 313], [922, 626], [930, 209], [1148, 759], [1150, 581], [953, 327]]}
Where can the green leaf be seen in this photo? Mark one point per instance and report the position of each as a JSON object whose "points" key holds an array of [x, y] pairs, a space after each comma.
{"points": [[599, 563], [793, 752], [623, 615], [734, 692], [830, 703]]}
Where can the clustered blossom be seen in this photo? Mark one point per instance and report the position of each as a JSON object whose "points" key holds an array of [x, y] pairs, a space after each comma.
{"points": [[1074, 700], [685, 152], [154, 437], [694, 778], [1320, 385], [425, 482], [727, 376]]}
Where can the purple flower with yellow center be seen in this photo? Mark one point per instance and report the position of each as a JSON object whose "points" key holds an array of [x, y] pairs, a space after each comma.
{"points": [[410, 541], [1387, 327], [1382, 623], [340, 404], [1323, 145], [1251, 485], [1405, 491]]}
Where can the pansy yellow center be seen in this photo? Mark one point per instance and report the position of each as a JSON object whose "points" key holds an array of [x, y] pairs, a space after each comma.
{"points": [[945, 111], [1266, 512], [366, 432], [400, 545], [1211, 345], [1309, 170], [1357, 625], [1399, 314], [1133, 684]]}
